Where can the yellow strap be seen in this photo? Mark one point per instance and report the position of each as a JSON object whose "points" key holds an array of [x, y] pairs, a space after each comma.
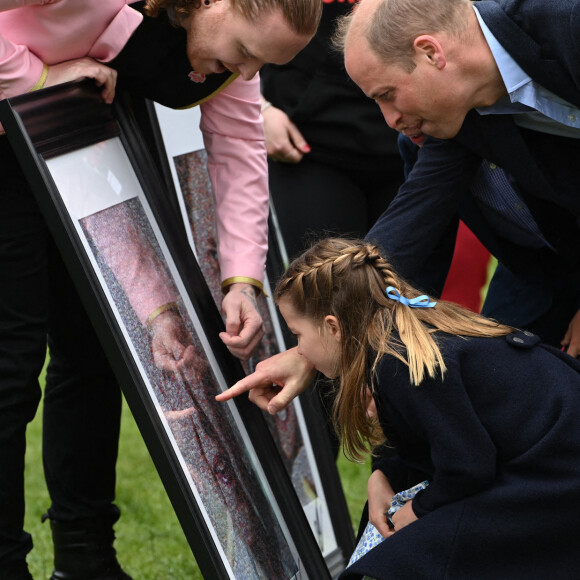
{"points": [[245, 280], [40, 82]]}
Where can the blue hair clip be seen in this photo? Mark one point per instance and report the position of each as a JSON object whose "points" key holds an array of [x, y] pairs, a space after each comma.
{"points": [[419, 302]]}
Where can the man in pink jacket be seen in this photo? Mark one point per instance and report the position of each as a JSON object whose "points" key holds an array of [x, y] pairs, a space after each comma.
{"points": [[211, 58]]}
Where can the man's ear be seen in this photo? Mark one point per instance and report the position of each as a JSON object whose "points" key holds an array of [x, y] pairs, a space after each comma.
{"points": [[429, 48], [332, 326]]}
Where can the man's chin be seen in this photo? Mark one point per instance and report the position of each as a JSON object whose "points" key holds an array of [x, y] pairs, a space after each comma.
{"points": [[446, 130]]}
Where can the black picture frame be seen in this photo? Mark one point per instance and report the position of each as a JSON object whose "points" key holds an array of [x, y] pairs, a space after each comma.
{"points": [[245, 529], [176, 145]]}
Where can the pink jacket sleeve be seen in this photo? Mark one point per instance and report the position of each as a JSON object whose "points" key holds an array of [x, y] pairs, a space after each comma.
{"points": [[34, 32], [233, 133], [19, 68]]}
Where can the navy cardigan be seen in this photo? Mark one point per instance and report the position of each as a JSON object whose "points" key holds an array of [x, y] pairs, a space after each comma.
{"points": [[499, 440]]}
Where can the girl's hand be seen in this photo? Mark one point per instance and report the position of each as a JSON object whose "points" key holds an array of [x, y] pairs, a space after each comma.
{"points": [[380, 493], [404, 516], [72, 70], [275, 382]]}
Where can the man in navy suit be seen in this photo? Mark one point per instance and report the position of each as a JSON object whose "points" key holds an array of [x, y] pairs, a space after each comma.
{"points": [[497, 84]]}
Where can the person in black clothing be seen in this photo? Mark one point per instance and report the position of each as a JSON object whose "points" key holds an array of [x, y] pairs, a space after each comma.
{"points": [[334, 163]]}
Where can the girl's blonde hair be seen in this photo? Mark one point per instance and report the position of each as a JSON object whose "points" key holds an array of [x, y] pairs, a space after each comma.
{"points": [[348, 279]]}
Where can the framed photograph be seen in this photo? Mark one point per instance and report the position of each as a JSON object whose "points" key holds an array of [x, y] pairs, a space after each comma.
{"points": [[299, 432], [157, 320]]}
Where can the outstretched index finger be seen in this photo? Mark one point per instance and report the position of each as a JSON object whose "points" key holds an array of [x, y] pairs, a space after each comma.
{"points": [[242, 386]]}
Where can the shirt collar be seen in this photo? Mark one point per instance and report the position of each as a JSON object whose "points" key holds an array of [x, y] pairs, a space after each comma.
{"points": [[512, 74]]}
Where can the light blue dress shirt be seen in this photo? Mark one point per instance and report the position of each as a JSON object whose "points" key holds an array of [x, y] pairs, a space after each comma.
{"points": [[533, 106]]}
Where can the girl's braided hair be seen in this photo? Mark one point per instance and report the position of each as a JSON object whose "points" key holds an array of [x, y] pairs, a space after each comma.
{"points": [[347, 279]]}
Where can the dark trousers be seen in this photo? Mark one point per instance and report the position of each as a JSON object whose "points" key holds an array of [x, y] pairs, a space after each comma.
{"points": [[82, 401], [313, 199]]}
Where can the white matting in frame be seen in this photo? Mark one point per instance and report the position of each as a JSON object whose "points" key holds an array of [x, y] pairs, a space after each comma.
{"points": [[220, 464]]}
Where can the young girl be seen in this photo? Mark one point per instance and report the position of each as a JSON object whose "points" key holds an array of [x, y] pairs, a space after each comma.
{"points": [[484, 413]]}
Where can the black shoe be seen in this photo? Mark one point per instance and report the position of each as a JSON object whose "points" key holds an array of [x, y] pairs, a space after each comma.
{"points": [[83, 550], [17, 571]]}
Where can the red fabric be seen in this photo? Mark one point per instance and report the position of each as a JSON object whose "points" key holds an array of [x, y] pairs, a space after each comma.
{"points": [[468, 272]]}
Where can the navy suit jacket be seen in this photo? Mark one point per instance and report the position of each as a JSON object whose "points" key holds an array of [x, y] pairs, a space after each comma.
{"points": [[417, 231]]}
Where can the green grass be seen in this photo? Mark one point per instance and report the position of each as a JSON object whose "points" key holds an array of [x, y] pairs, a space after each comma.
{"points": [[150, 543], [354, 477]]}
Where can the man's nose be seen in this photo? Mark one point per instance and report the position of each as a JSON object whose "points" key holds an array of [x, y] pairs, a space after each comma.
{"points": [[391, 115]]}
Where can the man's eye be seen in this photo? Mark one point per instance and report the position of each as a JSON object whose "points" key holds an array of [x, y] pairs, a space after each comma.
{"points": [[386, 96]]}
